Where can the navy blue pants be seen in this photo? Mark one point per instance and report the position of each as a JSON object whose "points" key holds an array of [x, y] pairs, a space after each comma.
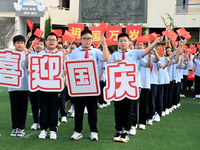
{"points": [[152, 99]]}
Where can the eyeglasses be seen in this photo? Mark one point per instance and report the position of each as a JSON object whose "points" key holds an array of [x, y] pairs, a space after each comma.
{"points": [[87, 39], [49, 40]]}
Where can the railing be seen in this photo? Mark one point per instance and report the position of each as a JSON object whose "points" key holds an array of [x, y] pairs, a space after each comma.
{"points": [[8, 36], [187, 9]]}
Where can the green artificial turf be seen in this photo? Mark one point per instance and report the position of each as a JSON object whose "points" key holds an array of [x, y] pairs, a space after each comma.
{"points": [[179, 130]]}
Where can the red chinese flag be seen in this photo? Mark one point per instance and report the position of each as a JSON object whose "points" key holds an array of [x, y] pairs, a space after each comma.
{"points": [[191, 75], [96, 34], [38, 32], [181, 31], [35, 42], [185, 47], [113, 32], [58, 32], [134, 32], [109, 42], [160, 50], [96, 43], [102, 27], [143, 39], [68, 36], [30, 24], [198, 46], [76, 30], [191, 45], [171, 34], [153, 36], [187, 35], [166, 45], [175, 44], [192, 50]]}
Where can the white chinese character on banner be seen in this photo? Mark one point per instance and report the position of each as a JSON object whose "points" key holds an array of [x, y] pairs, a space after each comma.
{"points": [[82, 77], [121, 82], [10, 68], [46, 73]]}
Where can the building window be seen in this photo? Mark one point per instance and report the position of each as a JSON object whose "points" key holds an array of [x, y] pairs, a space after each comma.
{"points": [[66, 3]]}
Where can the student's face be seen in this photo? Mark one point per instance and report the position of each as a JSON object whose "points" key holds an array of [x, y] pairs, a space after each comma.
{"points": [[51, 42], [164, 52], [131, 47], [199, 56], [39, 47], [169, 51], [19, 46], [86, 40], [139, 46], [60, 47], [72, 47], [123, 43]]}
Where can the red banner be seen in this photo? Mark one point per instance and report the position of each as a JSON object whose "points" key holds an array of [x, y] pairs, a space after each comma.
{"points": [[191, 75], [134, 32], [113, 32], [76, 30], [96, 35]]}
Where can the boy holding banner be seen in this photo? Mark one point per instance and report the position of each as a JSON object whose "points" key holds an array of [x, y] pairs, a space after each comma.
{"points": [[124, 108], [19, 96], [83, 52]]}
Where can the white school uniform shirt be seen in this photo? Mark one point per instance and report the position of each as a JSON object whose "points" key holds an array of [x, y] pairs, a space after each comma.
{"points": [[172, 70], [163, 77], [94, 53], [190, 62], [179, 74], [24, 80], [117, 55], [154, 72], [197, 64], [145, 75]]}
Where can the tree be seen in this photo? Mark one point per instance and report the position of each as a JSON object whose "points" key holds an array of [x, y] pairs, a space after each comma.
{"points": [[47, 28]]}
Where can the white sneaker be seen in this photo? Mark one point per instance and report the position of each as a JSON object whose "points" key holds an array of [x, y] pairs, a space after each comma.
{"points": [[167, 111], [108, 103], [163, 114], [132, 130], [35, 126], [100, 106], [85, 110], [58, 123], [14, 132], [170, 110], [94, 136], [20, 132], [181, 95], [142, 127], [104, 105], [70, 110], [199, 96], [64, 119], [76, 136], [156, 118], [42, 134], [73, 114], [53, 135], [196, 96], [150, 122], [174, 107]]}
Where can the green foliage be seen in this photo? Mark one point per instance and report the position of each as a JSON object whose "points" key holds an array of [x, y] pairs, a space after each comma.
{"points": [[48, 27], [171, 20]]}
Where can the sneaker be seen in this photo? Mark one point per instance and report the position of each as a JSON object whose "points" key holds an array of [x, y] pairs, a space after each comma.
{"points": [[58, 123], [163, 114], [100, 106], [35, 126], [142, 127], [124, 137], [156, 118], [181, 95], [76, 136], [174, 107], [70, 110], [94, 136], [170, 110], [85, 110], [14, 132], [150, 122], [117, 136], [167, 111], [108, 103], [132, 130], [196, 96], [199, 96], [53, 135], [20, 132], [73, 114], [64, 119], [42, 134], [104, 105]]}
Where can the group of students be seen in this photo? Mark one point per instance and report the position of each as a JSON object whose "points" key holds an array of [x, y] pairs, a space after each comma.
{"points": [[159, 82]]}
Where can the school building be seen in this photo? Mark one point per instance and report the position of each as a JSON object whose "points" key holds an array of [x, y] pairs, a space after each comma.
{"points": [[149, 13]]}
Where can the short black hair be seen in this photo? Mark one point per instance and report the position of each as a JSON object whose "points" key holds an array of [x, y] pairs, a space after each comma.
{"points": [[19, 38], [111, 49], [42, 40], [86, 31], [60, 43], [122, 35], [52, 33], [74, 44]]}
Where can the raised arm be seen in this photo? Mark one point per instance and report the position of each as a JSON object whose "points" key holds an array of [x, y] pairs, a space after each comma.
{"points": [[166, 64], [148, 64], [105, 56], [150, 47]]}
